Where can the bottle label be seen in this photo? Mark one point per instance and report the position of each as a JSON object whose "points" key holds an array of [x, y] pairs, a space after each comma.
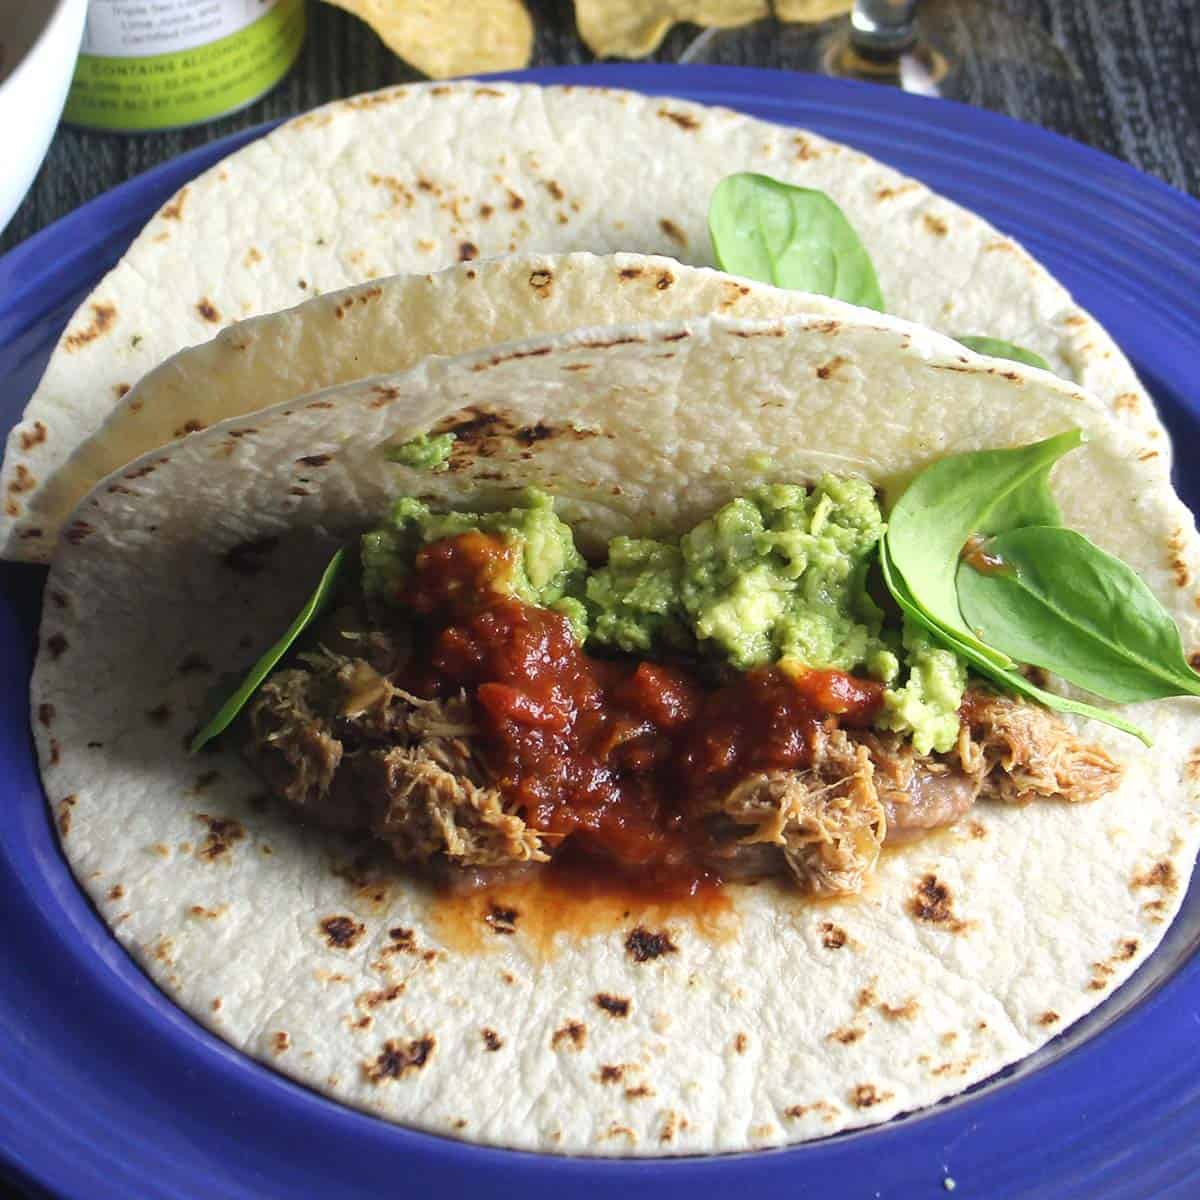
{"points": [[154, 64]]}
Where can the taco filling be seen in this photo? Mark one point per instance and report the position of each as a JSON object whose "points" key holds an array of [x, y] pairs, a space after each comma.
{"points": [[738, 703]]}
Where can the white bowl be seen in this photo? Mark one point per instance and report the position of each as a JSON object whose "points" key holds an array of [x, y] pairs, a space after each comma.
{"points": [[41, 43]]}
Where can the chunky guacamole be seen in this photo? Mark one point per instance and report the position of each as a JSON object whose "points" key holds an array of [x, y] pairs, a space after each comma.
{"points": [[778, 575], [424, 452]]}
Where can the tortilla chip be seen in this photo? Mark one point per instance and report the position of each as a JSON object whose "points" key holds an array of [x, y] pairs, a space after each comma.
{"points": [[634, 28], [810, 10], [442, 39]]}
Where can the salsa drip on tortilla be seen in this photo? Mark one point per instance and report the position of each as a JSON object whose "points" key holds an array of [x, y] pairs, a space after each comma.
{"points": [[478, 731]]}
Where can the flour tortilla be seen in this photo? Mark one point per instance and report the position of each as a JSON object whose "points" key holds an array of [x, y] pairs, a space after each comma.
{"points": [[794, 1020], [390, 325], [416, 178]]}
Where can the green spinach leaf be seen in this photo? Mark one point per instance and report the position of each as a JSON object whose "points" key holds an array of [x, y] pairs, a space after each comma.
{"points": [[313, 607], [987, 492], [1007, 678], [1062, 603], [792, 237], [998, 348]]}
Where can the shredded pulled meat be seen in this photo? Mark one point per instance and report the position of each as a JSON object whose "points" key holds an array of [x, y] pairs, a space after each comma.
{"points": [[827, 820], [866, 788], [347, 748], [1023, 752]]}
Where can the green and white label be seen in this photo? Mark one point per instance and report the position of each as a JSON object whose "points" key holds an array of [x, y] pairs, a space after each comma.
{"points": [[153, 64]]}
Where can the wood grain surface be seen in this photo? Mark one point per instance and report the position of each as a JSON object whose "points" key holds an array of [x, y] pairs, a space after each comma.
{"points": [[1120, 75]]}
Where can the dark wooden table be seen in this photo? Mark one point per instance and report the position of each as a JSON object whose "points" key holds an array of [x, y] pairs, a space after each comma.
{"points": [[1127, 78]]}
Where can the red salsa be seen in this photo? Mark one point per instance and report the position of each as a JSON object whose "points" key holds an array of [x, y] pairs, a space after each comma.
{"points": [[614, 755]]}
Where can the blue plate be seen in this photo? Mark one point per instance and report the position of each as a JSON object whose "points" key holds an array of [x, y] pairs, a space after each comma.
{"points": [[107, 1090]]}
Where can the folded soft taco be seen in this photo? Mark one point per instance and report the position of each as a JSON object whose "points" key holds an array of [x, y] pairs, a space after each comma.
{"points": [[609, 613], [389, 325], [417, 178]]}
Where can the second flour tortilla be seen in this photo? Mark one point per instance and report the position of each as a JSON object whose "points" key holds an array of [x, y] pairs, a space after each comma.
{"points": [[416, 178]]}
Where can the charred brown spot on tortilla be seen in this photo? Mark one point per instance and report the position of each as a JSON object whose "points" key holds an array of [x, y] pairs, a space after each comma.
{"points": [[1127, 402], [77, 531], [755, 333], [373, 1000], [683, 120], [280, 1041], [398, 1059], [116, 892], [867, 1095], [554, 188], [223, 833], [1049, 1017], [23, 482], [611, 1073], [1176, 545], [900, 1012], [249, 558], [56, 644], [492, 1041], [192, 425], [615, 1006], [208, 310], [740, 1042], [315, 460], [12, 508], [829, 369], [159, 715], [642, 945], [501, 919], [933, 903], [663, 282], [45, 714], [342, 932], [33, 436], [173, 210], [847, 1035], [467, 251], [935, 225], [833, 937], [1127, 949], [208, 914], [103, 317], [64, 813], [619, 341], [629, 272], [30, 533], [1160, 875], [672, 231], [573, 1034], [382, 395]]}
